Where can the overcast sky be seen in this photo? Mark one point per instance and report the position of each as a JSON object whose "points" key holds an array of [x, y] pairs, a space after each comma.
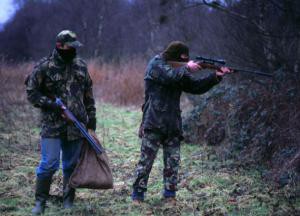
{"points": [[6, 10]]}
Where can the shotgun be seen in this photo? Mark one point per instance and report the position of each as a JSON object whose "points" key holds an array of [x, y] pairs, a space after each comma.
{"points": [[216, 64], [69, 115]]}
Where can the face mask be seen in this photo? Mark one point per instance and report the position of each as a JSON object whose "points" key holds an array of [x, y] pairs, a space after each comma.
{"points": [[67, 54], [176, 56], [184, 58]]}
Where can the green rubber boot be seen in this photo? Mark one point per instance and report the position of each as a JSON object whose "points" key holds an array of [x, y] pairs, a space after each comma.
{"points": [[41, 195]]}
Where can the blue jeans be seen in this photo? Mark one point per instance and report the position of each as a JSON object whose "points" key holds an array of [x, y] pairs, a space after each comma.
{"points": [[50, 156]]}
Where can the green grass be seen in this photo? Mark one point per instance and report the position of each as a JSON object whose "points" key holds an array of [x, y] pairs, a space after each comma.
{"points": [[208, 186]]}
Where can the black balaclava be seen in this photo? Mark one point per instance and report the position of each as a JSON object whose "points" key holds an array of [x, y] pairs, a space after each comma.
{"points": [[67, 54], [174, 50]]}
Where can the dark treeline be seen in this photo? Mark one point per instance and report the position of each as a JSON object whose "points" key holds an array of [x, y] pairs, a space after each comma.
{"points": [[257, 33], [257, 117]]}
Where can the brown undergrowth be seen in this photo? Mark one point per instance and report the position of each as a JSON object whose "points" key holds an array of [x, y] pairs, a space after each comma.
{"points": [[255, 121], [210, 183], [116, 83], [119, 84]]}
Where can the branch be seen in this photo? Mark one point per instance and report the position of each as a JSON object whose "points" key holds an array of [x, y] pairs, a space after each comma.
{"points": [[216, 5], [261, 29], [278, 6]]}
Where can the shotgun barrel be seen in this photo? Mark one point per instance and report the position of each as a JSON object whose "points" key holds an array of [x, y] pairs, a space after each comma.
{"points": [[210, 63]]}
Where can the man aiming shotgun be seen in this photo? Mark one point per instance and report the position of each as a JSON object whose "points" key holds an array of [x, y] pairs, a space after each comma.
{"points": [[62, 75], [161, 123]]}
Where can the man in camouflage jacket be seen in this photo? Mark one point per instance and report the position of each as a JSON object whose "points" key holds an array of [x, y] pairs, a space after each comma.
{"points": [[161, 124], [65, 76]]}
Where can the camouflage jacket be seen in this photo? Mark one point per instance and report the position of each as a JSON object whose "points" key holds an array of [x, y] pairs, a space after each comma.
{"points": [[163, 88], [71, 82]]}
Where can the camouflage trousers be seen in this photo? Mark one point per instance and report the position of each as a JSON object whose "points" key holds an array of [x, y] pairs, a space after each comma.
{"points": [[149, 149]]}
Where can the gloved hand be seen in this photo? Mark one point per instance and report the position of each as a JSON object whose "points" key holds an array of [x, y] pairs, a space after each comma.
{"points": [[91, 124], [53, 106]]}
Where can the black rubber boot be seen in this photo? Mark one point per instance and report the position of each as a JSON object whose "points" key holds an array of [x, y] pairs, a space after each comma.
{"points": [[68, 194], [41, 195]]}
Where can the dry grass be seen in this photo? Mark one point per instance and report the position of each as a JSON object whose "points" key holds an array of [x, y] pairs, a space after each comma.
{"points": [[207, 186], [16, 114], [120, 84], [12, 87]]}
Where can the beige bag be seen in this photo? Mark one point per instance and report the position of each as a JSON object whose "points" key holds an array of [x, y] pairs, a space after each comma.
{"points": [[92, 170]]}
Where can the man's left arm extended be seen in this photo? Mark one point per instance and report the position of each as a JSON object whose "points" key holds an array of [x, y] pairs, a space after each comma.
{"points": [[194, 85]]}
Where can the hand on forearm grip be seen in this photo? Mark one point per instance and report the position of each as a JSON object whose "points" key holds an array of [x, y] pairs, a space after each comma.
{"points": [[222, 71], [53, 106], [57, 107]]}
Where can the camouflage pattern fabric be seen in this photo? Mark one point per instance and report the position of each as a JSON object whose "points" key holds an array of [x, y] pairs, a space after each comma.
{"points": [[149, 149], [162, 118], [163, 88], [52, 77], [67, 37]]}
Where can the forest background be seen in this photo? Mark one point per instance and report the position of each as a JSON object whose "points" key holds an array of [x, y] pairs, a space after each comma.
{"points": [[251, 120]]}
